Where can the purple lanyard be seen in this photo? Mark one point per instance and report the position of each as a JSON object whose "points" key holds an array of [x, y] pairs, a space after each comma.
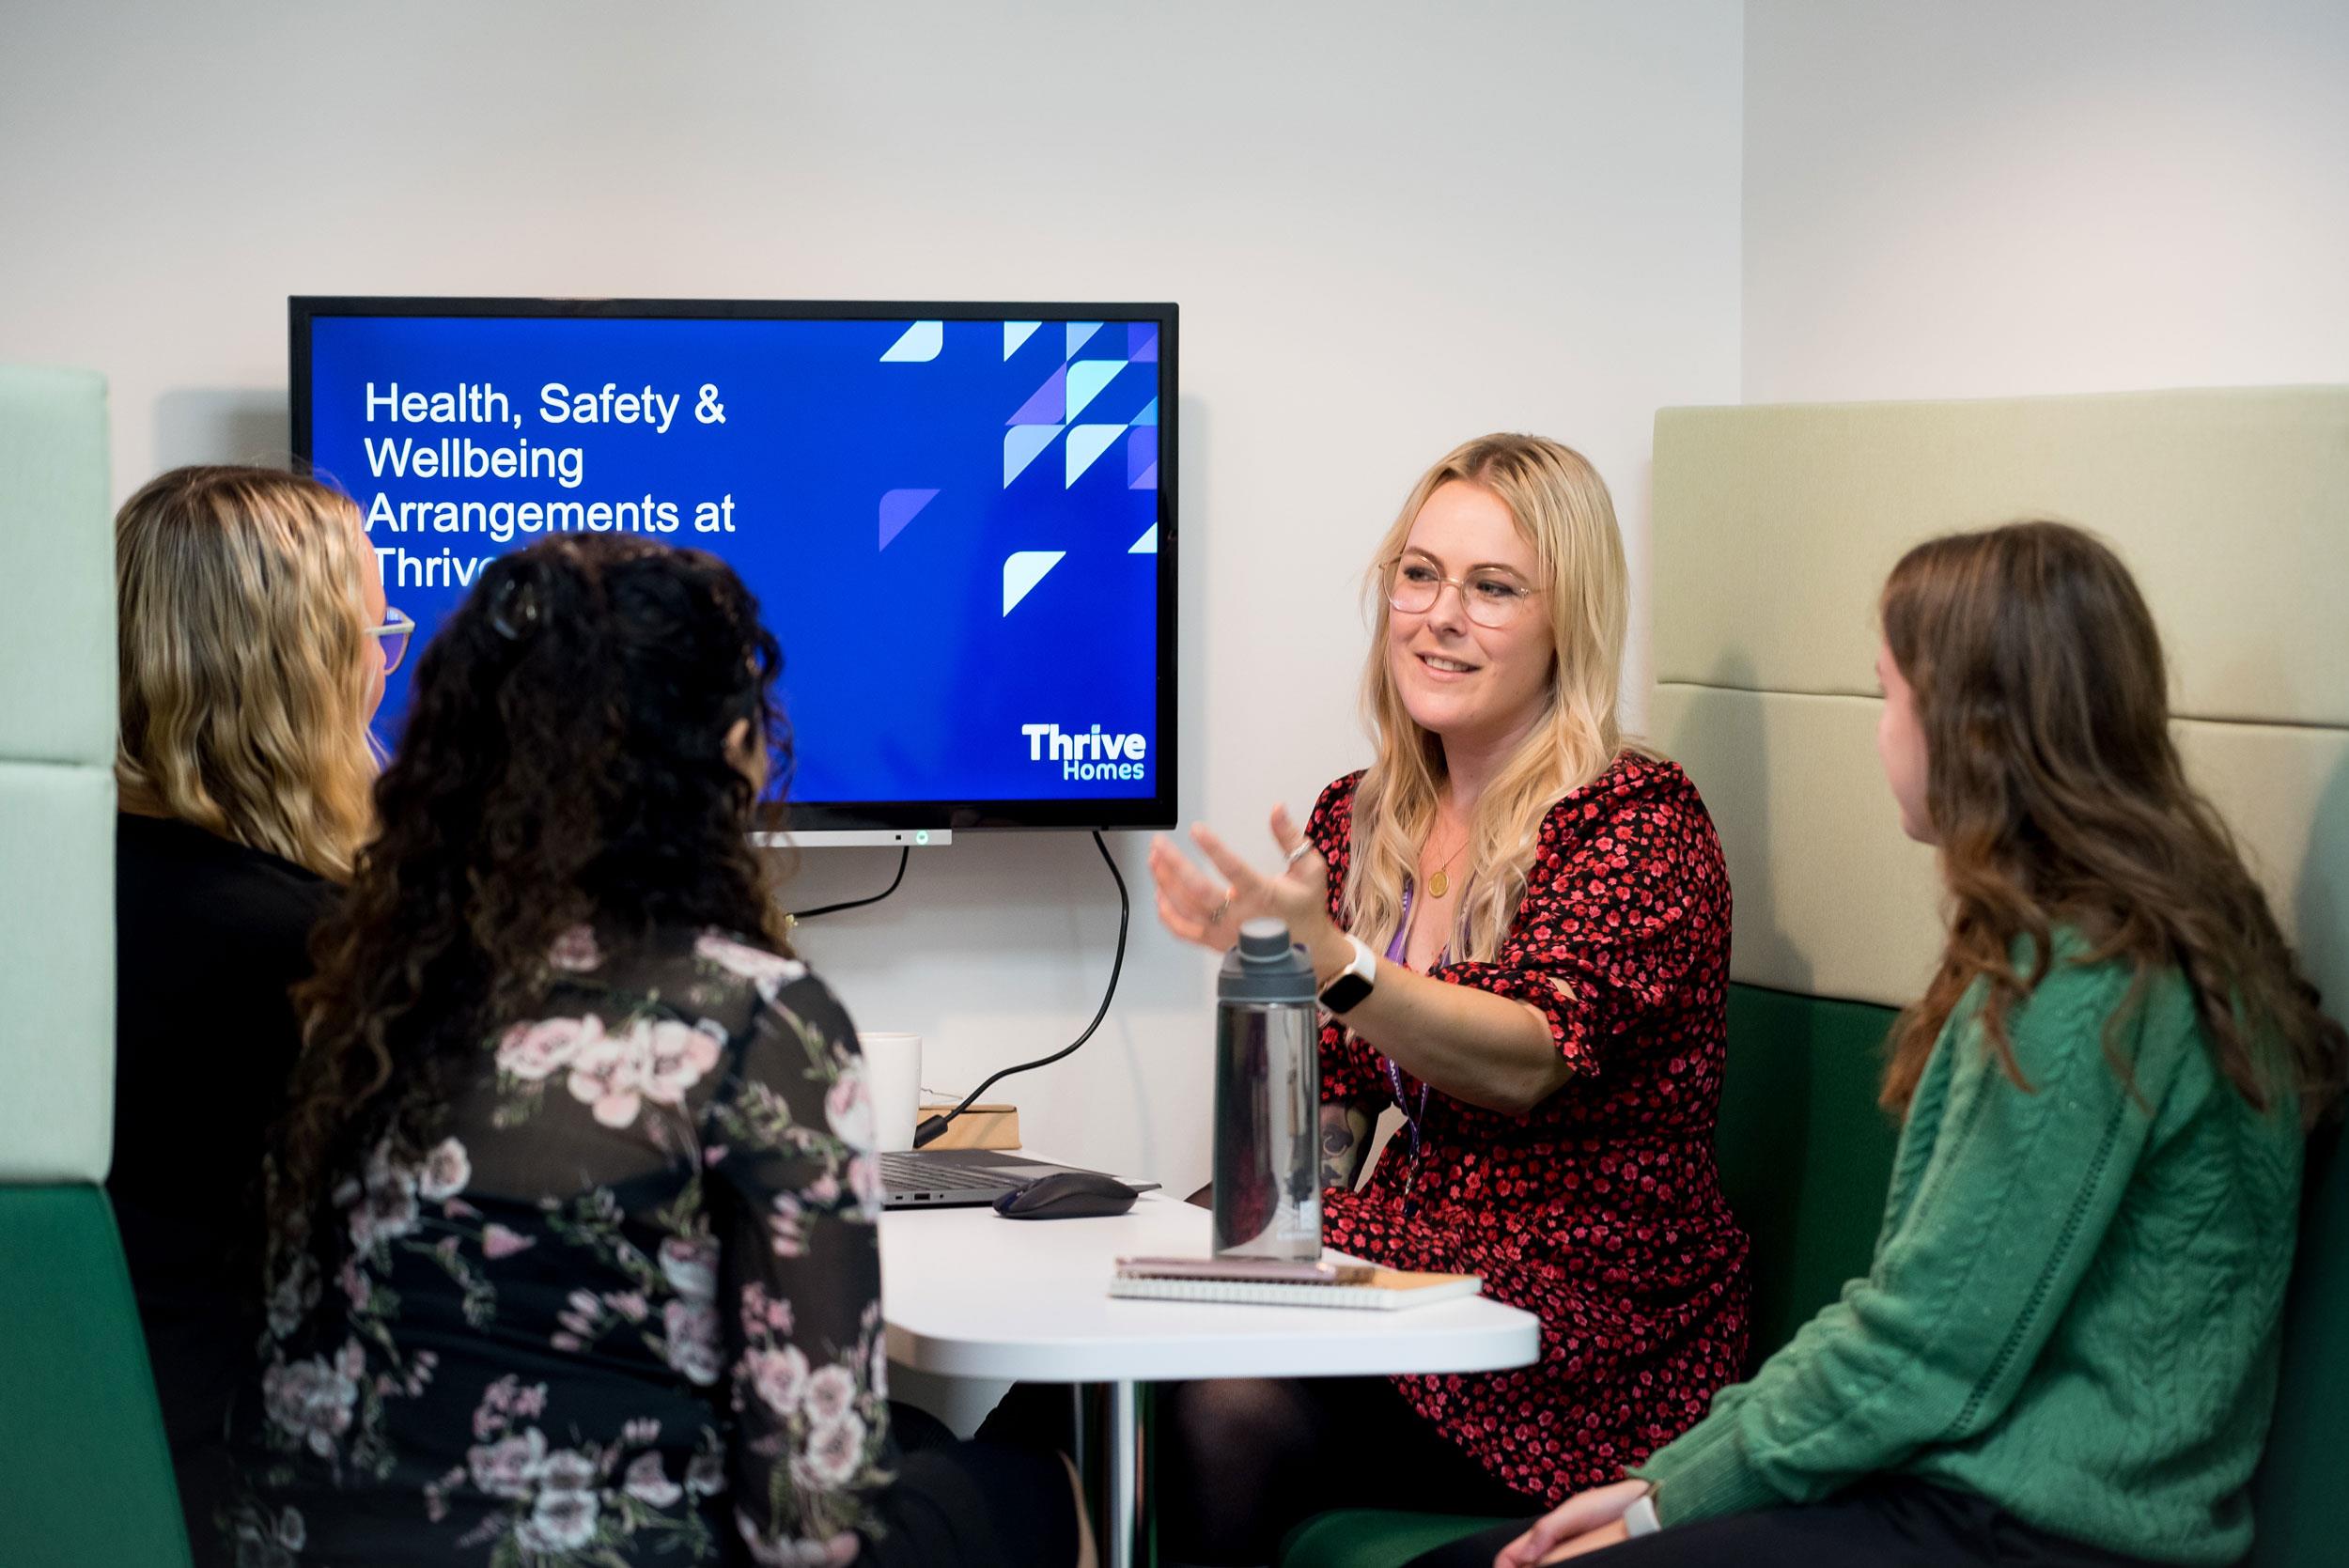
{"points": [[1413, 1119]]}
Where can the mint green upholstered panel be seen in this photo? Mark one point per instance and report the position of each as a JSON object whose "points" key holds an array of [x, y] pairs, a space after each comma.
{"points": [[84, 1476], [56, 781], [56, 972], [57, 569]]}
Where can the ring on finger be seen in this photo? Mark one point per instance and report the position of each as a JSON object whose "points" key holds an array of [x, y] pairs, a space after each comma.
{"points": [[1304, 847], [1215, 916]]}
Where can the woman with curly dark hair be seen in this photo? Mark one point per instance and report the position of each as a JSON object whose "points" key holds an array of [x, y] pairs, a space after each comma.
{"points": [[574, 1257]]}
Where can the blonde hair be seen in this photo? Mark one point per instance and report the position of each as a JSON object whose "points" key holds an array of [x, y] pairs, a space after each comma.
{"points": [[1561, 509], [241, 620]]}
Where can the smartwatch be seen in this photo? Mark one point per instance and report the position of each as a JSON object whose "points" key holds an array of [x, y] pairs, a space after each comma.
{"points": [[1350, 985]]}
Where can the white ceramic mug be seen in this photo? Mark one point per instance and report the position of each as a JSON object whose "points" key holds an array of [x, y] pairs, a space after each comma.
{"points": [[893, 1076]]}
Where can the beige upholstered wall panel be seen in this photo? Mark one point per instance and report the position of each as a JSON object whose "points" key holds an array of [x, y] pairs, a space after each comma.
{"points": [[57, 569], [2285, 792], [56, 972], [1832, 899], [1774, 528]]}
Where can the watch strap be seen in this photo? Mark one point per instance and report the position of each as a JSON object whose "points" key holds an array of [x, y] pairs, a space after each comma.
{"points": [[1350, 985]]}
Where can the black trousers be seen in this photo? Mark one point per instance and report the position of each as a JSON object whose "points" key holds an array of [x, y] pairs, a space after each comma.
{"points": [[971, 1505], [1884, 1523]]}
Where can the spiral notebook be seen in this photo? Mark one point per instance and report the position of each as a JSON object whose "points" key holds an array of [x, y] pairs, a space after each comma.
{"points": [[1360, 1287]]}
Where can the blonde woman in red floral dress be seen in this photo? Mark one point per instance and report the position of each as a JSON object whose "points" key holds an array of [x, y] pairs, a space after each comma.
{"points": [[1522, 928]]}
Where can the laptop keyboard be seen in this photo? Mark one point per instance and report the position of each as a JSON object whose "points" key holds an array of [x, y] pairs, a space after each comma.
{"points": [[908, 1173], [975, 1175], [905, 1171]]}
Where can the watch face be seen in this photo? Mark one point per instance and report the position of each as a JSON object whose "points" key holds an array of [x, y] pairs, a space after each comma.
{"points": [[1344, 992]]}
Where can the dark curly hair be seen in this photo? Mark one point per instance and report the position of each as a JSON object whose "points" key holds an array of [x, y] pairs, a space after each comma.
{"points": [[564, 761]]}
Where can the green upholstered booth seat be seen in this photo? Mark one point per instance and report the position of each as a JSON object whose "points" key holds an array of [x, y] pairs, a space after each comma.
{"points": [[2299, 1506], [84, 1475], [1373, 1537], [1805, 1152], [1805, 1157]]}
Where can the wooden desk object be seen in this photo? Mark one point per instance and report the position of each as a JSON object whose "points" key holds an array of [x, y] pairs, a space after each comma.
{"points": [[982, 1126]]}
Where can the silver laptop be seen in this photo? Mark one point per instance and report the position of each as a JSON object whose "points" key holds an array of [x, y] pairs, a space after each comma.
{"points": [[949, 1178]]}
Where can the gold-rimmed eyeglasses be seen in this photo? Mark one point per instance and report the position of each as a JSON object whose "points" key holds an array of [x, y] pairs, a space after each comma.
{"points": [[392, 637], [1493, 596]]}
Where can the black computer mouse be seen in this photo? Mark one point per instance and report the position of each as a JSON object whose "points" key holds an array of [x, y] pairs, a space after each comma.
{"points": [[1066, 1195]]}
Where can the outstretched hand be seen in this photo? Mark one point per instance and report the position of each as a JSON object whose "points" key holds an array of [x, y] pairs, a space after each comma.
{"points": [[1209, 909]]}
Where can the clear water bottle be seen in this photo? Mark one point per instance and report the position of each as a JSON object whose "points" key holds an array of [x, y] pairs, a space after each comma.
{"points": [[1267, 1099]]}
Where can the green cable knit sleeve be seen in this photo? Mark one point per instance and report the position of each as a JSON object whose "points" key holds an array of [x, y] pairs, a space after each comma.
{"points": [[1967, 1285]]}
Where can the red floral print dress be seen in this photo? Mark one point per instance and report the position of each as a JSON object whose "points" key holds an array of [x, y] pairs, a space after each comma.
{"points": [[1600, 1211]]}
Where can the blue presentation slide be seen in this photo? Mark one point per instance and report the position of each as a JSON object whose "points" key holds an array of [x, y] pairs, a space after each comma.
{"points": [[950, 526]]}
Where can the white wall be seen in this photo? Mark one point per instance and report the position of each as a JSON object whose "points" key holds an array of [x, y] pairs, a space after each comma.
{"points": [[1389, 226], [1951, 200]]}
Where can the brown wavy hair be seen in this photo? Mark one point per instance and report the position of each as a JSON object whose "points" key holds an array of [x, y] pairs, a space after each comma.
{"points": [[242, 638], [2057, 796], [563, 761]]}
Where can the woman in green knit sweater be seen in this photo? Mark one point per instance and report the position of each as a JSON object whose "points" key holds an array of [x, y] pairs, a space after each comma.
{"points": [[2066, 1349]]}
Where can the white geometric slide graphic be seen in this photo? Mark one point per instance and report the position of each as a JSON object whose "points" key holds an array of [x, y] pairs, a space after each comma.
{"points": [[1146, 545], [918, 344], [1085, 443], [1022, 445], [1086, 378], [1023, 569], [1016, 332]]}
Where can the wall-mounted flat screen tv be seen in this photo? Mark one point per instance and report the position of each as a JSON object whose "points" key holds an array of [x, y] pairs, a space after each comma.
{"points": [[958, 519]]}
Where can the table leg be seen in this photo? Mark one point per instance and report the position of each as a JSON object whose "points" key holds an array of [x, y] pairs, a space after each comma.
{"points": [[1113, 1456]]}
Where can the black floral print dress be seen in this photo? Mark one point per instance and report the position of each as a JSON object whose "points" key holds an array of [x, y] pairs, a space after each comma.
{"points": [[625, 1309]]}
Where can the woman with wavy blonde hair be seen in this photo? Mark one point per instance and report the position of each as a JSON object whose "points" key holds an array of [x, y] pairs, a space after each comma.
{"points": [[254, 641], [1521, 926], [248, 606]]}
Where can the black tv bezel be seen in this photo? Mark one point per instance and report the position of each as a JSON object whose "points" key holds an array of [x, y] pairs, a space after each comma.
{"points": [[1155, 810]]}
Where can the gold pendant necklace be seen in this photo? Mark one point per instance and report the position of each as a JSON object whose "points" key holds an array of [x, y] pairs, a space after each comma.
{"points": [[1439, 884]]}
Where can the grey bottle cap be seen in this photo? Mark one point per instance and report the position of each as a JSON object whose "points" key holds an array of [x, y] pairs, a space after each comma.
{"points": [[1265, 966]]}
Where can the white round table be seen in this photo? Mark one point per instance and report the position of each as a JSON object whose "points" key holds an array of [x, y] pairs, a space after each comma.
{"points": [[968, 1293]]}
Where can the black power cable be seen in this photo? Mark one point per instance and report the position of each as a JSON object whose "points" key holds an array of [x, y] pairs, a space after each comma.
{"points": [[932, 1126], [904, 855]]}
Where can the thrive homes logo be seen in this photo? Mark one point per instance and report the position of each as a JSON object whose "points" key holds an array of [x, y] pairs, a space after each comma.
{"points": [[1089, 753]]}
